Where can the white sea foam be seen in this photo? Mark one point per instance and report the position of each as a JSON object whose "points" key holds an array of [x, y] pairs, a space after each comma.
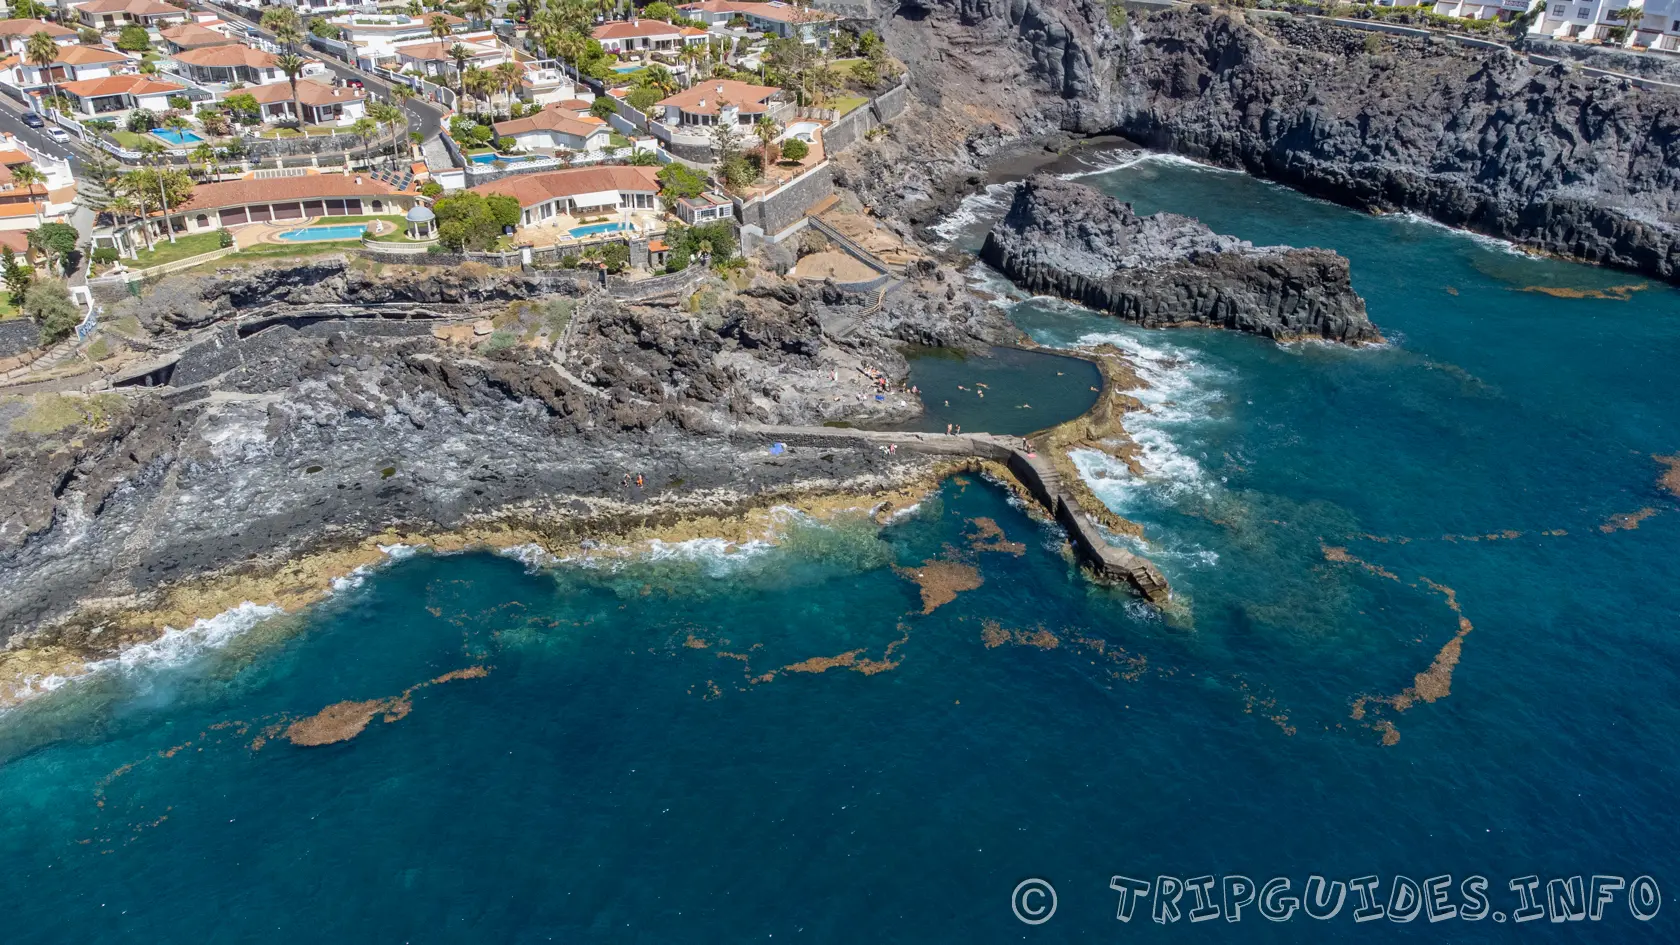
{"points": [[1104, 162], [399, 551], [975, 208], [173, 648], [532, 555], [1491, 242]]}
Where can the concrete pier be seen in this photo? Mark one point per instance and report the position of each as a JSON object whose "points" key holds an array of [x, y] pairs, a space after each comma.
{"points": [[1034, 472]]}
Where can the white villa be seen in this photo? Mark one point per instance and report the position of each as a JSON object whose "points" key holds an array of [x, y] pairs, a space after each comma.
{"points": [[651, 35], [74, 63], [565, 198], [115, 96], [775, 17], [14, 34], [323, 104], [116, 14], [557, 127]]}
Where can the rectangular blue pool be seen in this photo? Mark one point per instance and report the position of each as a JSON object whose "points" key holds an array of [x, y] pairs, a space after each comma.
{"points": [[493, 158], [310, 234], [595, 228], [176, 137]]}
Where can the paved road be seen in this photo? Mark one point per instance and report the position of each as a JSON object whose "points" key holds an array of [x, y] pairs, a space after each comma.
{"points": [[424, 117], [11, 120]]}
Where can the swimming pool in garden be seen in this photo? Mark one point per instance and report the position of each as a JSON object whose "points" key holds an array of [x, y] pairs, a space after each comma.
{"points": [[493, 158], [596, 228], [176, 137], [311, 234]]}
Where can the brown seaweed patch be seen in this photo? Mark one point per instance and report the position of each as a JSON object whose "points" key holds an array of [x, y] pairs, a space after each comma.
{"points": [[695, 643], [941, 581], [994, 634], [1670, 479], [1615, 293], [1266, 706], [1343, 556], [1626, 521], [1432, 684], [988, 536], [822, 664], [343, 721]]}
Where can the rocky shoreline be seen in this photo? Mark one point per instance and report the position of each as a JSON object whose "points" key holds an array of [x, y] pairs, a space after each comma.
{"points": [[1066, 239]]}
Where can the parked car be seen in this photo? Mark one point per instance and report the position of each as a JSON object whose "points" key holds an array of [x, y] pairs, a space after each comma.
{"points": [[59, 134], [353, 84], [32, 120]]}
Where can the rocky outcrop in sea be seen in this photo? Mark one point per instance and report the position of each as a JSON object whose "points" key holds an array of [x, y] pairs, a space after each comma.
{"points": [[1066, 239]]}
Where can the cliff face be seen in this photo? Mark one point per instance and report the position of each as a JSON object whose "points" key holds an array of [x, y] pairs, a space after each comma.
{"points": [[1472, 138], [1069, 240]]}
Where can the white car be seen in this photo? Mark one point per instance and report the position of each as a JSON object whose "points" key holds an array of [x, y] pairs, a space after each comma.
{"points": [[58, 134]]}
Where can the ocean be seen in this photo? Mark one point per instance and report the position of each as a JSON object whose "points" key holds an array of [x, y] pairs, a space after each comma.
{"points": [[1423, 635]]}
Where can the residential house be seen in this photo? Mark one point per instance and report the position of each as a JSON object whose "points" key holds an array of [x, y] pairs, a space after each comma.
{"points": [[554, 129], [24, 208], [113, 96], [710, 102], [309, 8], [73, 63], [323, 104], [116, 14], [1483, 9], [186, 36], [637, 35], [1659, 28], [774, 18], [706, 208], [551, 196], [1577, 19], [375, 37], [433, 58], [544, 84], [225, 65], [234, 203], [14, 34]]}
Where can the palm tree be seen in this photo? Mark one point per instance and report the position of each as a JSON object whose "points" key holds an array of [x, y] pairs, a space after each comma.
{"points": [[658, 77], [767, 129], [152, 153], [174, 122], [508, 76], [460, 54], [205, 154], [400, 94], [364, 128], [119, 208], [135, 185], [691, 55], [382, 116], [1630, 15], [478, 10], [440, 26], [29, 175], [283, 22], [292, 66], [41, 52], [414, 8]]}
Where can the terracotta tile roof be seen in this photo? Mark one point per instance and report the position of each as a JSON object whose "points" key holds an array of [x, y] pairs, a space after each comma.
{"points": [[639, 29], [702, 97], [23, 208], [13, 157], [552, 119], [21, 27], [227, 57], [131, 7], [571, 105], [309, 92], [439, 51], [533, 189], [118, 84], [15, 240], [780, 12], [235, 193], [88, 55], [192, 36]]}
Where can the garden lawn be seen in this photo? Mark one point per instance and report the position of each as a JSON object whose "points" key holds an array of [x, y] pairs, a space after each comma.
{"points": [[193, 244]]}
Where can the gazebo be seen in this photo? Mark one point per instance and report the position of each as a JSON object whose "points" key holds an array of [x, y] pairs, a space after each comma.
{"points": [[422, 223]]}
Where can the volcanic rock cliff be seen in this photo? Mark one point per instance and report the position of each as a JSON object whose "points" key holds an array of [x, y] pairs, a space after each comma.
{"points": [[1477, 138], [1069, 240]]}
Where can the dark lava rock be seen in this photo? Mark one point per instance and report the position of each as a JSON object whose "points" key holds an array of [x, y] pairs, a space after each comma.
{"points": [[1066, 239]]}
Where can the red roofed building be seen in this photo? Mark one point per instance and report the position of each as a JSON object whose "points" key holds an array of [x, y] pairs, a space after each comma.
{"points": [[638, 34], [323, 104], [283, 199], [116, 14], [567, 196], [113, 95], [776, 18], [14, 34], [555, 128], [74, 63]]}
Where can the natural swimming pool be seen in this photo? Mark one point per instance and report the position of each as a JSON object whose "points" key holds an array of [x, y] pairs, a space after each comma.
{"points": [[1012, 391], [312, 234]]}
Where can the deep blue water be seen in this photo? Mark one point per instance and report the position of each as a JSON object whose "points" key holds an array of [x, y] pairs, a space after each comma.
{"points": [[611, 779]]}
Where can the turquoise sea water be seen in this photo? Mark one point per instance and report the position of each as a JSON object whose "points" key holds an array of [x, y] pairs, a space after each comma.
{"points": [[639, 765]]}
